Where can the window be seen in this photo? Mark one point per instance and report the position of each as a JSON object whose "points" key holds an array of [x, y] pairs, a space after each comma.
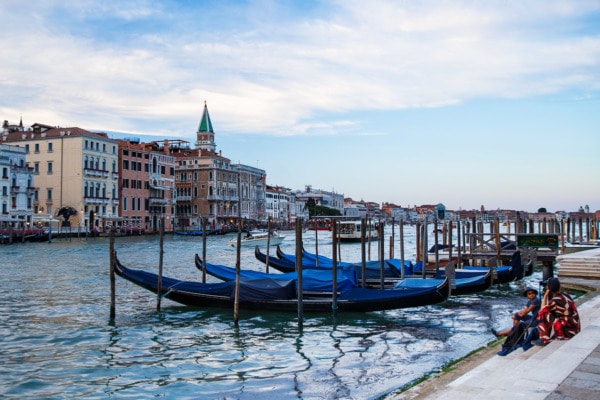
{"points": [[104, 147], [49, 194], [49, 167], [4, 190], [36, 148], [36, 168], [86, 144], [125, 205], [125, 164], [50, 149], [27, 148]]}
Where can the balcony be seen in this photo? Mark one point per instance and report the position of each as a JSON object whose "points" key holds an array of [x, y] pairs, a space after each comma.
{"points": [[96, 200], [157, 200], [100, 173]]}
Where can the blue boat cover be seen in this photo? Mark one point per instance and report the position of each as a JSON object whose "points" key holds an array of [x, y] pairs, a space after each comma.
{"points": [[312, 279]]}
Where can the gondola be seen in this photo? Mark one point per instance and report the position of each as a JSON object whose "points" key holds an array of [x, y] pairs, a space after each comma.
{"points": [[273, 295], [287, 263], [465, 282], [313, 280]]}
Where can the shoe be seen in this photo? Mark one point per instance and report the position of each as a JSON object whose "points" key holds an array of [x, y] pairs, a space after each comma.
{"points": [[495, 332], [503, 352], [526, 346], [538, 342]]}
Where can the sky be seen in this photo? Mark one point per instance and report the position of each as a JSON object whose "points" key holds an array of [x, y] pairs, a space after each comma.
{"points": [[490, 103]]}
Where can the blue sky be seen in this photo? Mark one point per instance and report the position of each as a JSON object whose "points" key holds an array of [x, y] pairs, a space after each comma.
{"points": [[467, 103]]}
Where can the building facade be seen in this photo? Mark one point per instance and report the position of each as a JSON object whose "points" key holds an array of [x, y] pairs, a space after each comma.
{"points": [[210, 188], [17, 185], [146, 186], [72, 168]]}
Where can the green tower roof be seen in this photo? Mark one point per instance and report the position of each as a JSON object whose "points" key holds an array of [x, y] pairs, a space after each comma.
{"points": [[205, 124]]}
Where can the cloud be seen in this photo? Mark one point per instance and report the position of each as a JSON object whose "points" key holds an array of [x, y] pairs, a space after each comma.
{"points": [[268, 68]]}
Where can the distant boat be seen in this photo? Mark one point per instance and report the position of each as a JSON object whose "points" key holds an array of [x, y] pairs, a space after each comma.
{"points": [[258, 238], [320, 225], [350, 231], [198, 232]]}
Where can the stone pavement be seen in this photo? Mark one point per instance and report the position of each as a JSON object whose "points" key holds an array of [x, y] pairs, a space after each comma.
{"points": [[568, 369]]}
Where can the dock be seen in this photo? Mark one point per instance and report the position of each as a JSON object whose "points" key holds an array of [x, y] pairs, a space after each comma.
{"points": [[568, 369]]}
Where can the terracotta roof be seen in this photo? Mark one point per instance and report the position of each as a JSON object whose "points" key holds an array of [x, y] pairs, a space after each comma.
{"points": [[55, 132]]}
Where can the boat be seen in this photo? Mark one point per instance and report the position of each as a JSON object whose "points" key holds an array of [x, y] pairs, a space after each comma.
{"points": [[465, 281], [258, 238], [275, 295], [287, 263], [319, 225], [350, 231], [313, 280], [508, 273], [198, 232]]}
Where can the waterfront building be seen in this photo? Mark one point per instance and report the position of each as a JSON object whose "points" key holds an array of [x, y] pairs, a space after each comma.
{"points": [[210, 187], [18, 191], [72, 168], [278, 204], [322, 198], [252, 193], [146, 186], [354, 209]]}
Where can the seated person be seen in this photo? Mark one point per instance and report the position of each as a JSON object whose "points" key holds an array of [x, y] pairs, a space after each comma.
{"points": [[527, 314], [558, 318]]}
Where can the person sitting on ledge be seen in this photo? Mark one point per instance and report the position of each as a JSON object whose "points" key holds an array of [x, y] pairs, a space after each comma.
{"points": [[527, 314], [558, 319]]}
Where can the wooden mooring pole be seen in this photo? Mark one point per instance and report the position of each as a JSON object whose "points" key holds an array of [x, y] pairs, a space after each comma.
{"points": [[299, 246], [401, 235], [334, 270], [236, 299], [160, 264], [363, 251], [113, 259]]}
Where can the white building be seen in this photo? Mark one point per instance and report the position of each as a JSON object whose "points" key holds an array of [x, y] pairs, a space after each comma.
{"points": [[322, 198], [18, 192]]}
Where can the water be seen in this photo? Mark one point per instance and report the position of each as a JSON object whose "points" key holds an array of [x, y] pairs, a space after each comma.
{"points": [[58, 341]]}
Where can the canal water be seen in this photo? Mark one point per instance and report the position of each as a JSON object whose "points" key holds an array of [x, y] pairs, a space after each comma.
{"points": [[58, 341]]}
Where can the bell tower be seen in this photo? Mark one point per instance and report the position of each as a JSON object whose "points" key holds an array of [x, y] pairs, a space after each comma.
{"points": [[205, 137]]}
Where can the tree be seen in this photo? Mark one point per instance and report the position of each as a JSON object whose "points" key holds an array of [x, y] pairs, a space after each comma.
{"points": [[66, 212], [542, 210]]}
